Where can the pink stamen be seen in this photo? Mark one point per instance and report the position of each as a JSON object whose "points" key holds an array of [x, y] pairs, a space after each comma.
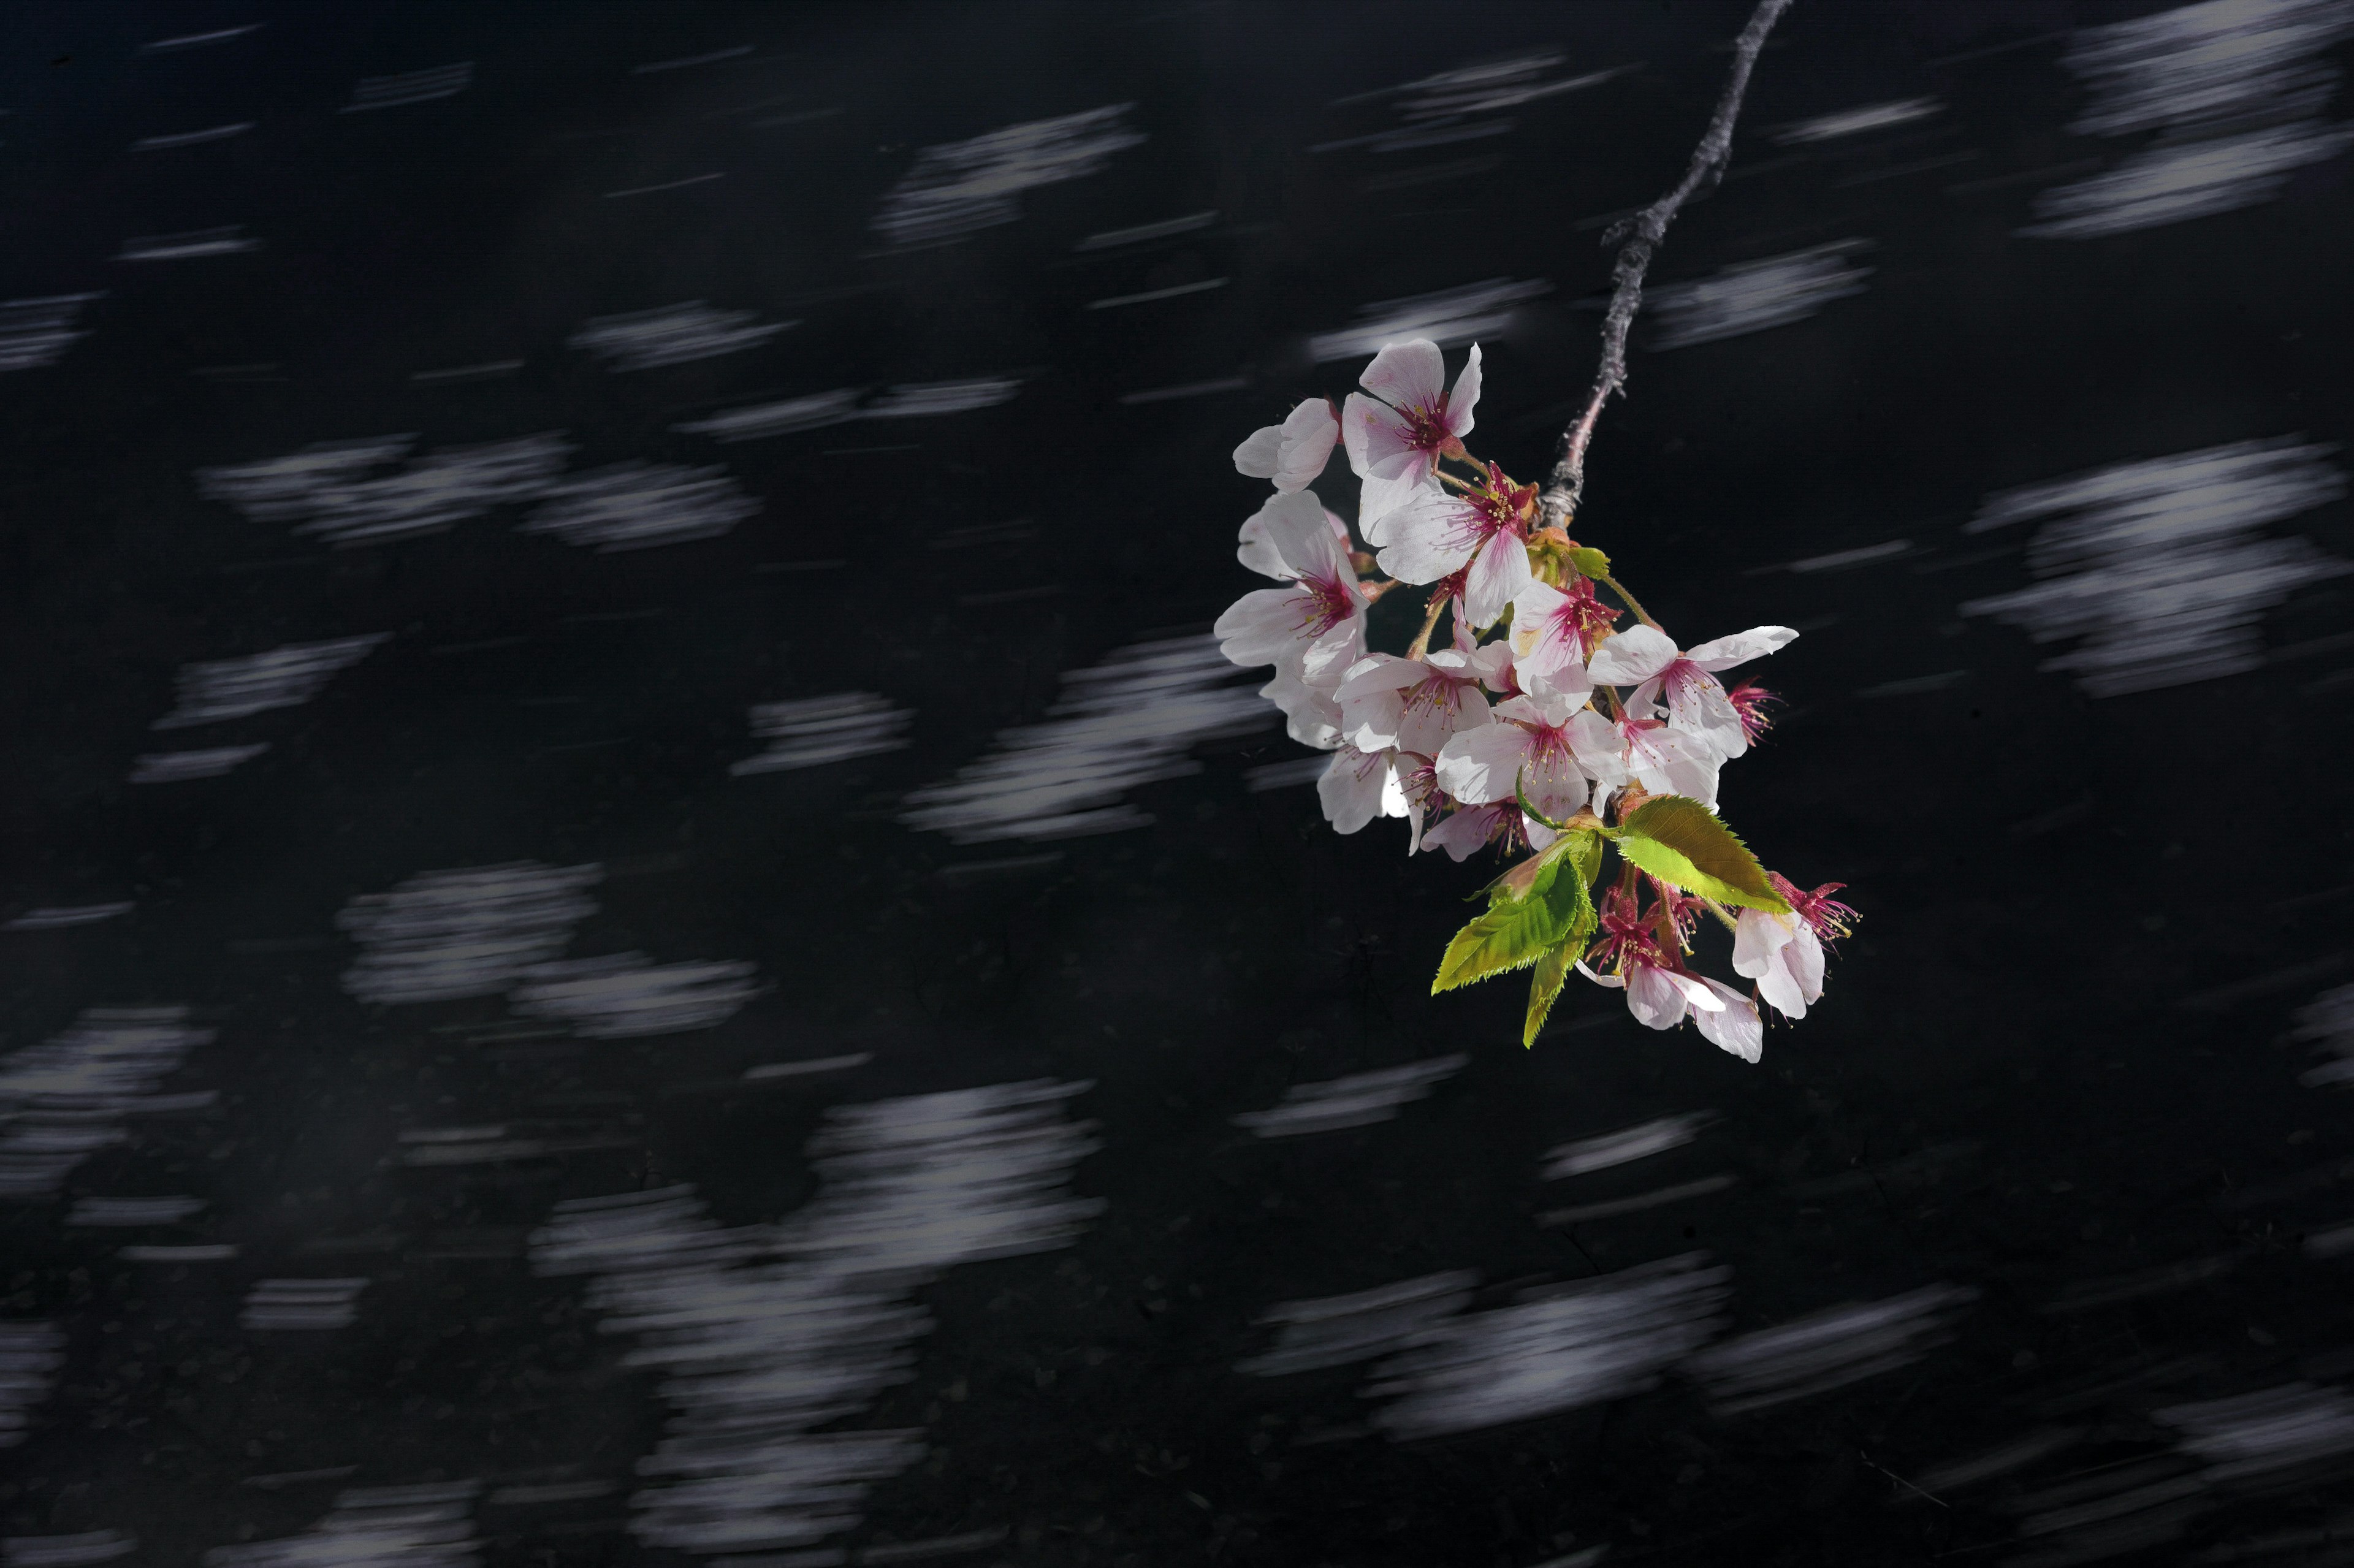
{"points": [[1825, 915], [1749, 700]]}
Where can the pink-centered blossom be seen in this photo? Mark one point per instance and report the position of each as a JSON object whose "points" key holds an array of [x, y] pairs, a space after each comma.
{"points": [[1553, 629], [1469, 829], [1526, 748], [1696, 702], [1294, 452], [1396, 438], [1660, 991], [1314, 628], [1360, 786], [1482, 534], [1638, 748], [1417, 705]]}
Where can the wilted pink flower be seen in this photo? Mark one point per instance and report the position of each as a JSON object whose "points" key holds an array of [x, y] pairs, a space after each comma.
{"points": [[1659, 991], [1396, 438], [1781, 953], [1294, 452], [1697, 702]]}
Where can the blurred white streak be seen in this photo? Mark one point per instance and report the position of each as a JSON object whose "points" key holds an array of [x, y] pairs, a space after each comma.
{"points": [[1638, 1142], [622, 996], [202, 1252], [427, 1526], [2279, 1434], [59, 917], [283, 678], [30, 1355], [39, 332], [1857, 121], [307, 1305], [1826, 1350], [66, 1551], [1144, 231], [1114, 302], [632, 505], [1839, 560], [553, 1492], [2156, 565], [2172, 183], [177, 767], [1484, 89], [872, 1556], [63, 1100], [674, 335], [1334, 1331], [443, 934], [1755, 296], [814, 731], [230, 241], [767, 1072], [481, 372], [1610, 1208], [2335, 1241], [1127, 721], [1450, 317], [323, 488], [1360, 1099], [2328, 1021], [961, 187], [1568, 1346], [1285, 775], [926, 397], [651, 67], [198, 41], [665, 186], [133, 1211], [2236, 93], [191, 138], [756, 1355], [2085, 1295], [411, 86], [2000, 1460], [776, 419]]}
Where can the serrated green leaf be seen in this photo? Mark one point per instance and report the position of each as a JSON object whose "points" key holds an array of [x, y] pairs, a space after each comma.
{"points": [[1516, 932], [1680, 842], [1545, 985], [1589, 561], [1585, 853]]}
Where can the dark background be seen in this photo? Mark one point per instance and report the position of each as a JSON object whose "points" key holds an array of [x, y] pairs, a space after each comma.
{"points": [[2057, 1047]]}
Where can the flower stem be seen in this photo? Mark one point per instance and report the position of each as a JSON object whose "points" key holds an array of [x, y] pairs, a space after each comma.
{"points": [[1615, 585], [1446, 478], [1429, 623]]}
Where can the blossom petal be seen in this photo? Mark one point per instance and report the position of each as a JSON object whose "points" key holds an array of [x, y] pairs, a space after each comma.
{"points": [[1437, 711], [1465, 397], [1380, 500], [1354, 789], [1430, 536], [1628, 657], [1307, 438], [1408, 375], [1379, 672], [1803, 957], [1499, 573], [1725, 652], [1654, 999], [1613, 982], [1463, 832], [1780, 987], [1296, 526], [1260, 628], [1258, 456], [1310, 716], [1600, 747], [1698, 706], [1479, 766], [1735, 1026], [1758, 935], [1541, 637]]}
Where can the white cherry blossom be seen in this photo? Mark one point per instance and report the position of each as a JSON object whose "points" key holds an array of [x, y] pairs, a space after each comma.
{"points": [[1395, 436], [1697, 702], [1659, 998], [1317, 626], [1527, 746], [1549, 629], [1417, 705], [1434, 534], [1639, 748], [1783, 955], [1294, 452], [1736, 1027]]}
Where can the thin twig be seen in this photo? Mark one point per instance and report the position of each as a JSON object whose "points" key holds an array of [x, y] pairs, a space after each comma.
{"points": [[1642, 235]]}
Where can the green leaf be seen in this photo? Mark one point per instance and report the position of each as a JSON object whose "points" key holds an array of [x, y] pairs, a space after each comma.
{"points": [[1586, 853], [1589, 561], [1545, 984], [1520, 931], [1680, 842]]}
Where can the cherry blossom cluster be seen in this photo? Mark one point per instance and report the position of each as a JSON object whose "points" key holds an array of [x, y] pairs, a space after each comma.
{"points": [[1560, 734]]}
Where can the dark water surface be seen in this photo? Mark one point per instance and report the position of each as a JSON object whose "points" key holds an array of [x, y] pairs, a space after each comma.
{"points": [[495, 1088]]}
